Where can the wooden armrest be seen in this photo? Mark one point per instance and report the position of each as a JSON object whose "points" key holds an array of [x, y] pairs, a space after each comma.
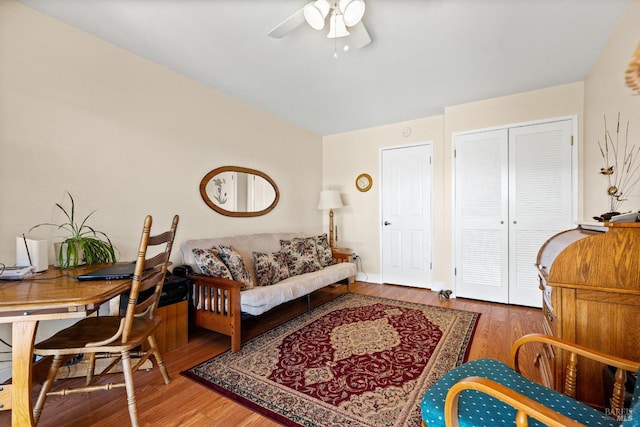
{"points": [[219, 295], [217, 305], [571, 370], [341, 256], [598, 356], [524, 405], [216, 282]]}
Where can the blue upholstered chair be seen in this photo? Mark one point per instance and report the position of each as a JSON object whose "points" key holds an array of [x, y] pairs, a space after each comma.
{"points": [[486, 392]]}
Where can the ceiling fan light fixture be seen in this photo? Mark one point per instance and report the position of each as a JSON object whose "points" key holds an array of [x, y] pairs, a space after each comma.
{"points": [[315, 13], [352, 11], [337, 27]]}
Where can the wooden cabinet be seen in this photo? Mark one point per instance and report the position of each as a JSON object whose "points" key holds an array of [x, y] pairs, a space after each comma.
{"points": [[173, 331], [590, 280]]}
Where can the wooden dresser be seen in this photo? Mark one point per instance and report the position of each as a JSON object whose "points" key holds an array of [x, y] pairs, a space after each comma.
{"points": [[590, 280]]}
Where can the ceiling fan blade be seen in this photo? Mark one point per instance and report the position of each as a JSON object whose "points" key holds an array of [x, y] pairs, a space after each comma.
{"points": [[359, 35], [288, 25]]}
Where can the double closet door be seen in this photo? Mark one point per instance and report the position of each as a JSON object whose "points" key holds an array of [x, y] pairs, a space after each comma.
{"points": [[514, 188]]}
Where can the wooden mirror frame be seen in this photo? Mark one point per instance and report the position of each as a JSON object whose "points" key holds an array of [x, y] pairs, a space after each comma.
{"points": [[222, 211]]}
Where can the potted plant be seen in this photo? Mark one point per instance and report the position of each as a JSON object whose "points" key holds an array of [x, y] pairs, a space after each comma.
{"points": [[84, 243]]}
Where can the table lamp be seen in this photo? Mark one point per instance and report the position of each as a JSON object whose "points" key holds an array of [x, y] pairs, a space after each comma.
{"points": [[330, 199]]}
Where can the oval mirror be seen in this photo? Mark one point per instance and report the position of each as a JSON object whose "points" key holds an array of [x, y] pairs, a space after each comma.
{"points": [[238, 191]]}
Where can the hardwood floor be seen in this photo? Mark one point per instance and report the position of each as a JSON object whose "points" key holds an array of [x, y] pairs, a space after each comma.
{"points": [[185, 403]]}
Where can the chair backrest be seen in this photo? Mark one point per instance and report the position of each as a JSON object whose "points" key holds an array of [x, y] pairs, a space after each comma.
{"points": [[151, 267]]}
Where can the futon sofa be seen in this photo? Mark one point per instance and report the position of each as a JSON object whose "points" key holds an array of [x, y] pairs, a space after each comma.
{"points": [[280, 267]]}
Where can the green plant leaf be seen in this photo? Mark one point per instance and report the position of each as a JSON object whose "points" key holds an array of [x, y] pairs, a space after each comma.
{"points": [[84, 243]]}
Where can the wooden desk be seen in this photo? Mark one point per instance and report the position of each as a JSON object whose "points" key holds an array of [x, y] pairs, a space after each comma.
{"points": [[51, 295], [591, 296]]}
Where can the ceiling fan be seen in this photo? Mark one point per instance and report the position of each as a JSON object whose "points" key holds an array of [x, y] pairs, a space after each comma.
{"points": [[345, 19]]}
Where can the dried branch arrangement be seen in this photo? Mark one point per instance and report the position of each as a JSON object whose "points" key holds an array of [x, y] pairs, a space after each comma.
{"points": [[620, 165]]}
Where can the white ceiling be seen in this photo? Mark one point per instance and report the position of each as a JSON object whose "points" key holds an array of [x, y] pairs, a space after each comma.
{"points": [[425, 55]]}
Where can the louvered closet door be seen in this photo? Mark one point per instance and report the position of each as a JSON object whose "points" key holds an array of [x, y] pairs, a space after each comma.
{"points": [[513, 191], [540, 200], [481, 211]]}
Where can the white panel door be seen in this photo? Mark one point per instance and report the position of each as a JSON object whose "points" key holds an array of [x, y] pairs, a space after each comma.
{"points": [[406, 216], [540, 200], [481, 212]]}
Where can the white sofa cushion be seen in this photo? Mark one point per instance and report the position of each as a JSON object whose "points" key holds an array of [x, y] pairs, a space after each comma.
{"points": [[260, 299]]}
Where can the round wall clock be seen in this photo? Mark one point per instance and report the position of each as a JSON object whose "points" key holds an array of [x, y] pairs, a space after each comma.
{"points": [[364, 182]]}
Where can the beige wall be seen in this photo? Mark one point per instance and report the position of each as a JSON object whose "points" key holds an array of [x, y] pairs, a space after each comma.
{"points": [[603, 92], [81, 115], [348, 154], [607, 94], [129, 138], [559, 101]]}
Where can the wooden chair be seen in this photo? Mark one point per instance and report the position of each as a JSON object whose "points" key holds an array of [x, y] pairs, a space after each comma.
{"points": [[116, 336], [486, 392]]}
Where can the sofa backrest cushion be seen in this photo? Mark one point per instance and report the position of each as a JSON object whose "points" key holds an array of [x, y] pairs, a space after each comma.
{"points": [[210, 264], [301, 254], [270, 267], [325, 254], [236, 265]]}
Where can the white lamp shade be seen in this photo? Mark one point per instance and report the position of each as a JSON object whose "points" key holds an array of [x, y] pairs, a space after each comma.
{"points": [[352, 10], [336, 26], [315, 13], [330, 199]]}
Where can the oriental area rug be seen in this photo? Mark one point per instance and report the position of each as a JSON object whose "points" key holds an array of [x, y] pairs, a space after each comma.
{"points": [[357, 360]]}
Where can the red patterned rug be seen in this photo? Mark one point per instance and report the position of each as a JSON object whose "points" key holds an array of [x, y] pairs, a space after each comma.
{"points": [[355, 361]]}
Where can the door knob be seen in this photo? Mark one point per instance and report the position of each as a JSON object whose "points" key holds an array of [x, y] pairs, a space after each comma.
{"points": [[387, 223]]}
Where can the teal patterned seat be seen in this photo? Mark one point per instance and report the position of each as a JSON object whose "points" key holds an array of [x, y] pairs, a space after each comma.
{"points": [[476, 408]]}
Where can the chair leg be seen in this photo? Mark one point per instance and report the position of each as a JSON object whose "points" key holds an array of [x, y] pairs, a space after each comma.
{"points": [[153, 344], [131, 394], [91, 369], [46, 386]]}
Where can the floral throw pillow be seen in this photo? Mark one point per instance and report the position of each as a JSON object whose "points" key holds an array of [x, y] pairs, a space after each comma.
{"points": [[210, 263], [302, 256], [233, 260], [325, 257], [270, 268]]}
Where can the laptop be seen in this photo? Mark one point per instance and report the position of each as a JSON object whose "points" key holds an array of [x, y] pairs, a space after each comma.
{"points": [[111, 272]]}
